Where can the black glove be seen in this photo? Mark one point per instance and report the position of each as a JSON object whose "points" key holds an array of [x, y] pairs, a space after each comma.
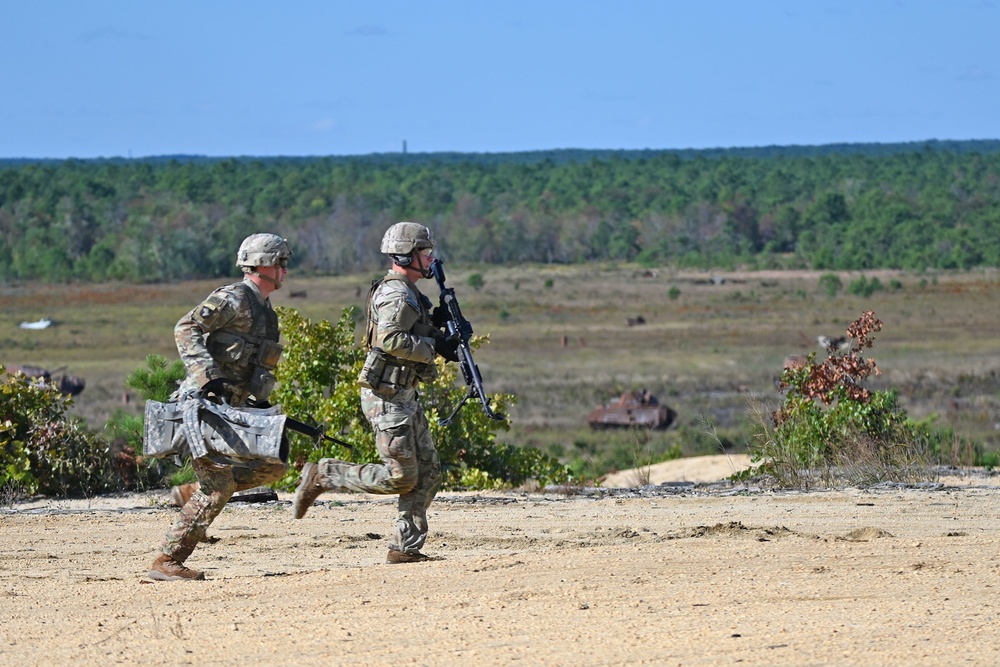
{"points": [[216, 387], [439, 316], [446, 346]]}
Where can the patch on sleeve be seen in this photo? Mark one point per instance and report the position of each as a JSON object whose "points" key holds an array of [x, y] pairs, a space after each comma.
{"points": [[210, 307], [411, 301]]}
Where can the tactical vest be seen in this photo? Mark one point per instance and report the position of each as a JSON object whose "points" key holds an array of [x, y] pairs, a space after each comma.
{"points": [[384, 373], [250, 356]]}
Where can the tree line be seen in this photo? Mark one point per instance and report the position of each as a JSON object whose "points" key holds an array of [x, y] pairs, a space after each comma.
{"points": [[864, 206]]}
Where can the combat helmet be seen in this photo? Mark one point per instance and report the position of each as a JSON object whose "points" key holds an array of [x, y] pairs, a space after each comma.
{"points": [[405, 237], [262, 250]]}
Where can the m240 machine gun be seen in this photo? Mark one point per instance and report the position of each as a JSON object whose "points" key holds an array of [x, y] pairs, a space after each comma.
{"points": [[460, 330]]}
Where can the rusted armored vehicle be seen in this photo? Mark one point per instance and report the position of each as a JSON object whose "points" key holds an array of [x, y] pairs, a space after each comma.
{"points": [[638, 409]]}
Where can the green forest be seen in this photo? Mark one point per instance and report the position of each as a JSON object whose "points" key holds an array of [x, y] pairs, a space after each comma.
{"points": [[851, 206]]}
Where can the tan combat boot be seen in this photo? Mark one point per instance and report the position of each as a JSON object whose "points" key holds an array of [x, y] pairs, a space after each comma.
{"points": [[395, 557], [181, 494], [165, 568], [307, 491]]}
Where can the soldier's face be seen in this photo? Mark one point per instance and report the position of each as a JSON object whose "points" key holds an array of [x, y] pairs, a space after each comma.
{"points": [[424, 259], [277, 273]]}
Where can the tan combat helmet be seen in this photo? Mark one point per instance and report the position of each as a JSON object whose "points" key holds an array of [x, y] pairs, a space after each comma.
{"points": [[405, 237], [404, 240], [263, 250]]}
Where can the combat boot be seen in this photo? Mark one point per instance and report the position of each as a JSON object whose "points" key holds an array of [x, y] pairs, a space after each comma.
{"points": [[395, 557], [307, 491], [165, 568], [181, 494]]}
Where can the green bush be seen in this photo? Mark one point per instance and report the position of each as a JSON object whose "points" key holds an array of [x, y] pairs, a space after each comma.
{"points": [[317, 383], [42, 450], [864, 287], [475, 281], [831, 429], [831, 284], [157, 381]]}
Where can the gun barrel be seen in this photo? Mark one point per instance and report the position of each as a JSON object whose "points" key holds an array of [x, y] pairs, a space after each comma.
{"points": [[313, 432]]}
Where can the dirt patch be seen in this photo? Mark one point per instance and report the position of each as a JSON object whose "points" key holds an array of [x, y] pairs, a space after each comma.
{"points": [[690, 469], [662, 575]]}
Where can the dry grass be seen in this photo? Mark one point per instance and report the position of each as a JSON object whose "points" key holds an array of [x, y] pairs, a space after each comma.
{"points": [[560, 341]]}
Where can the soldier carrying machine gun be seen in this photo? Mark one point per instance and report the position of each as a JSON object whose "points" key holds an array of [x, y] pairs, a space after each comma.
{"points": [[460, 331]]}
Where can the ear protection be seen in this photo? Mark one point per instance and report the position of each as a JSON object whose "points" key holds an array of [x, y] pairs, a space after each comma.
{"points": [[403, 260]]}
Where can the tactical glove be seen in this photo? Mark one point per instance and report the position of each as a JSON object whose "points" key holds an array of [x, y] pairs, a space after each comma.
{"points": [[217, 387], [439, 316], [446, 346]]}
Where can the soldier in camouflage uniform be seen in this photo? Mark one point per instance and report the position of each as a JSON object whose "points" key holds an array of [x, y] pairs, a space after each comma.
{"points": [[402, 341], [229, 345]]}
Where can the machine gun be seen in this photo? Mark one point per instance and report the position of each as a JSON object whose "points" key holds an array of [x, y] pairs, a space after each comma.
{"points": [[460, 330], [313, 432]]}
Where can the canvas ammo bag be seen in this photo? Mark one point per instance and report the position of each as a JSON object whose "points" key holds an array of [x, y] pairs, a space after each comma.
{"points": [[196, 427]]}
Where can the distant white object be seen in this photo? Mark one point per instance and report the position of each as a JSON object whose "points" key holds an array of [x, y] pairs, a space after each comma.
{"points": [[839, 343], [40, 324]]}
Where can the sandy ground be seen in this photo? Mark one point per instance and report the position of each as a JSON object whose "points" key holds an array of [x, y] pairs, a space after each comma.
{"points": [[676, 574], [692, 469]]}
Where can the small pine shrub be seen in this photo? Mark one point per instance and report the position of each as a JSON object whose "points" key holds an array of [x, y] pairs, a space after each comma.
{"points": [[156, 381]]}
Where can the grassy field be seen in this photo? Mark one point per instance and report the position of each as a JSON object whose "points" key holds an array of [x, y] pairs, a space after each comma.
{"points": [[711, 344]]}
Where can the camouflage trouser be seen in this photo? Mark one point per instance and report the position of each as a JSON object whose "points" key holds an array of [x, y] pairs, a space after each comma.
{"points": [[219, 480], [410, 465]]}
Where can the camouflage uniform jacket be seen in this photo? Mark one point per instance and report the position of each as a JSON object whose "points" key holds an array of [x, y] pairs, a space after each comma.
{"points": [[399, 322], [220, 336]]}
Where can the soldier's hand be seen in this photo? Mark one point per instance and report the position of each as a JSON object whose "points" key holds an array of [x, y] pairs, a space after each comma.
{"points": [[439, 316], [216, 387], [446, 346]]}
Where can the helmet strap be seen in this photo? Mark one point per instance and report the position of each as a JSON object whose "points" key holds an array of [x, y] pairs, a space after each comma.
{"points": [[274, 281], [424, 264]]}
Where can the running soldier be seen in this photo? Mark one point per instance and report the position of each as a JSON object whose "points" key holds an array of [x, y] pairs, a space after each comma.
{"points": [[402, 341], [229, 345]]}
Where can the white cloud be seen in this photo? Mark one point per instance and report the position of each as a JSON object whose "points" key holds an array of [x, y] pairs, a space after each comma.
{"points": [[324, 125]]}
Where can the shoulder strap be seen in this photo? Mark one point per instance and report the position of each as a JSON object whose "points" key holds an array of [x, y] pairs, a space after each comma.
{"points": [[370, 326]]}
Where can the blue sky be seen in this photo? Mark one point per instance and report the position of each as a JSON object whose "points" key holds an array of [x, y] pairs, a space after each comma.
{"points": [[88, 78]]}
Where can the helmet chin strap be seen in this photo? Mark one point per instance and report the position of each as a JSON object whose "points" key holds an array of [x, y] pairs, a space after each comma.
{"points": [[425, 270], [274, 281]]}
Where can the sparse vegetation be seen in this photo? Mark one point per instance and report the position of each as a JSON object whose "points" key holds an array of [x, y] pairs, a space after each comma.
{"points": [[831, 284], [865, 287], [831, 429], [475, 281], [564, 350]]}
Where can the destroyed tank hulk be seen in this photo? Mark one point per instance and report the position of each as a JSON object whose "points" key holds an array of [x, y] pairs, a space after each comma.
{"points": [[632, 410]]}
